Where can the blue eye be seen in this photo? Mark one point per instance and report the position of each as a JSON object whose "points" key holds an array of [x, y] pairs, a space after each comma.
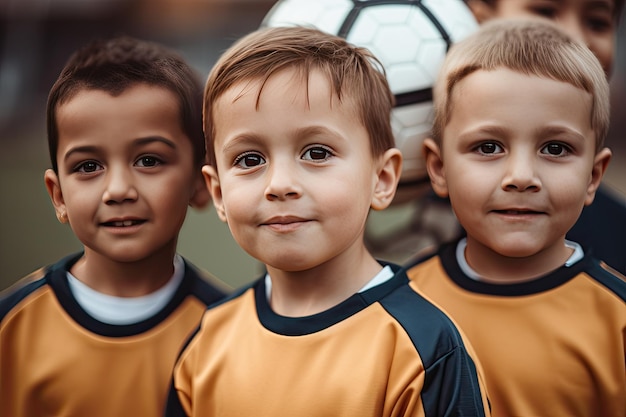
{"points": [[249, 160]]}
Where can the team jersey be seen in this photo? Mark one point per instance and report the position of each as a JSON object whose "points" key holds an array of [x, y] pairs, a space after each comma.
{"points": [[382, 352], [554, 346], [56, 360]]}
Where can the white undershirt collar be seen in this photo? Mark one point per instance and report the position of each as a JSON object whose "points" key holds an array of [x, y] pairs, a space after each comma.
{"points": [[125, 310], [382, 276], [576, 256]]}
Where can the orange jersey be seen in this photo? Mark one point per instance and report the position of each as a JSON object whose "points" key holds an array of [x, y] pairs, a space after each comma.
{"points": [[56, 360], [554, 346], [380, 353]]}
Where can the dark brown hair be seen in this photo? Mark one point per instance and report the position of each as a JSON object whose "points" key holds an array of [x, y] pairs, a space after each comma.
{"points": [[113, 65]]}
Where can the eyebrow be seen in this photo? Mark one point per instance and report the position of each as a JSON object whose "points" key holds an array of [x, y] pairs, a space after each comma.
{"points": [[544, 131], [298, 134], [137, 142], [604, 5], [492, 130], [559, 130]]}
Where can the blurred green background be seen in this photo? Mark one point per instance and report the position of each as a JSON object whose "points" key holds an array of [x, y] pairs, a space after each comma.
{"points": [[36, 38]]}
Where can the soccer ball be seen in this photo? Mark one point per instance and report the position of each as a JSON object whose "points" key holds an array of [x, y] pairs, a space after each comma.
{"points": [[411, 39]]}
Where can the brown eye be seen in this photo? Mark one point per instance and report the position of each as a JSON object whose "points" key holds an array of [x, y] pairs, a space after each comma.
{"points": [[88, 167], [555, 149], [488, 148], [317, 153], [249, 160], [148, 161]]}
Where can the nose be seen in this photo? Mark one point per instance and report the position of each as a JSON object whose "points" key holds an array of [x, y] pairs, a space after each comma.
{"points": [[520, 174], [119, 187], [282, 182]]}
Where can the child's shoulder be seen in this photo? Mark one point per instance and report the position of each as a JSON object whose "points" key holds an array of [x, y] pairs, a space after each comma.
{"points": [[30, 284], [430, 328], [607, 277], [204, 285]]}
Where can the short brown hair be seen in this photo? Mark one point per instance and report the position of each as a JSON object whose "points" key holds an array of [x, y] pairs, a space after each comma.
{"points": [[354, 73], [528, 46], [113, 65]]}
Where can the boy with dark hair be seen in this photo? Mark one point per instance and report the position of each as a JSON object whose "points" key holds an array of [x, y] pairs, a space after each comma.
{"points": [[521, 114], [97, 333], [300, 149]]}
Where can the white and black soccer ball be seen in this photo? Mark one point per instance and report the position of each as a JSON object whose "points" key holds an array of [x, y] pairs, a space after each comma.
{"points": [[410, 38]]}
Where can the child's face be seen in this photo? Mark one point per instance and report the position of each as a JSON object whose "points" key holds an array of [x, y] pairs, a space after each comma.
{"points": [[126, 172], [296, 178], [518, 160], [591, 21]]}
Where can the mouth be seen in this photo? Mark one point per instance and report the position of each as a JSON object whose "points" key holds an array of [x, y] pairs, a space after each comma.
{"points": [[282, 220], [123, 223], [518, 212], [284, 224]]}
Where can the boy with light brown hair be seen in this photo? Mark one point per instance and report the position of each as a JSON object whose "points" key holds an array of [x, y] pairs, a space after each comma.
{"points": [[601, 227], [300, 150], [522, 111]]}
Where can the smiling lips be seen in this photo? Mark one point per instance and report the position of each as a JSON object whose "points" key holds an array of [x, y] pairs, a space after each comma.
{"points": [[123, 223], [284, 223], [518, 211]]}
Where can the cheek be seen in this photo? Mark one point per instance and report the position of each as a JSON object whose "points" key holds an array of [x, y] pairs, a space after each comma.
{"points": [[344, 194], [237, 200], [568, 193], [79, 199]]}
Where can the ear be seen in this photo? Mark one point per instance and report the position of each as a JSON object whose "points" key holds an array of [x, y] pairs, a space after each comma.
{"points": [[51, 180], [434, 165], [387, 179], [481, 10], [212, 182], [600, 163], [201, 196]]}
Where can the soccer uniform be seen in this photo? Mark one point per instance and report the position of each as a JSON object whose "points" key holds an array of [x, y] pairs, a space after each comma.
{"points": [[382, 352], [554, 346], [57, 360]]}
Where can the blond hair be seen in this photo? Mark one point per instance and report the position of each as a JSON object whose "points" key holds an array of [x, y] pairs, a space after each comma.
{"points": [[355, 75], [531, 47]]}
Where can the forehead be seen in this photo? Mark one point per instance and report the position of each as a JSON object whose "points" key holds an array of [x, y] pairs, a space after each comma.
{"points": [[518, 101], [285, 106], [139, 111], [605, 5], [293, 88]]}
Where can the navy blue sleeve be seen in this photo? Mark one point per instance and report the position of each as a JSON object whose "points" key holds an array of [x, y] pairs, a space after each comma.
{"points": [[451, 385], [173, 407]]}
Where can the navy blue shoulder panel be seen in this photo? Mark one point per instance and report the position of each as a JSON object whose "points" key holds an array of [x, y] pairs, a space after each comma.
{"points": [[615, 283], [13, 295], [200, 287], [451, 384]]}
